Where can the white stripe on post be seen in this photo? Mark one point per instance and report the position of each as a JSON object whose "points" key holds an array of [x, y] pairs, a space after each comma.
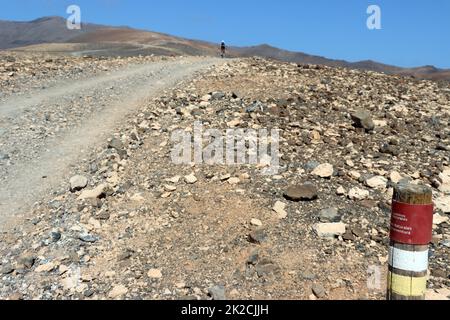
{"points": [[408, 260]]}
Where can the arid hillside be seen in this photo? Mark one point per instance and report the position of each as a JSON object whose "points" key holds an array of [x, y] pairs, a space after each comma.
{"points": [[119, 218]]}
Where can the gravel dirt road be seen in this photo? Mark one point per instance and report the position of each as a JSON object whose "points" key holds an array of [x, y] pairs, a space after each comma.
{"points": [[45, 131]]}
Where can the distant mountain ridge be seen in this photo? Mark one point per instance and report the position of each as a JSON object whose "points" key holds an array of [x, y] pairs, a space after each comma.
{"points": [[50, 34]]}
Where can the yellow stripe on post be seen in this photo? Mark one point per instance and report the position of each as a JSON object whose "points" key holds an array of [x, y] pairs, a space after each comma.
{"points": [[407, 286]]}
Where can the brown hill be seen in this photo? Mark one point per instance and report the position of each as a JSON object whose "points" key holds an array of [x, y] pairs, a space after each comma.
{"points": [[50, 34]]}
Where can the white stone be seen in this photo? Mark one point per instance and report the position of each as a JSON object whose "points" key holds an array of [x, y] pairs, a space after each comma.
{"points": [[175, 179], [78, 183], [45, 267], [443, 203], [94, 193], [341, 191], [324, 170], [234, 181], [190, 179], [170, 188], [445, 177], [118, 291], [395, 177], [438, 219], [358, 194], [256, 222], [329, 230], [154, 274], [377, 182], [279, 208], [355, 174]]}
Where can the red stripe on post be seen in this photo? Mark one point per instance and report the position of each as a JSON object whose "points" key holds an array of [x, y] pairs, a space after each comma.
{"points": [[412, 223]]}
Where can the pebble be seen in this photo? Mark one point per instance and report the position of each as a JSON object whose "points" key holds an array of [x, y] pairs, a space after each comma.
{"points": [[217, 293], [117, 292], [279, 208], [78, 183], [377, 182], [95, 193], [258, 236], [324, 171], [329, 215], [190, 179], [88, 238], [358, 194], [154, 274], [256, 222], [319, 291]]}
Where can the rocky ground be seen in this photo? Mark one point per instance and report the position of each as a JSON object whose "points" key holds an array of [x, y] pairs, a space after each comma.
{"points": [[129, 223], [22, 72]]}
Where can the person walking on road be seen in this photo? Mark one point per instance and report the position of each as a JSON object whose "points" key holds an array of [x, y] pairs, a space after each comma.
{"points": [[223, 49]]}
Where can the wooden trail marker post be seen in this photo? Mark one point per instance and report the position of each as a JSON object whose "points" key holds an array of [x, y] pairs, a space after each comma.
{"points": [[411, 233]]}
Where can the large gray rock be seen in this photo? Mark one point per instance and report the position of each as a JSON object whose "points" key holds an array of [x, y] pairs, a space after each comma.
{"points": [[305, 192]]}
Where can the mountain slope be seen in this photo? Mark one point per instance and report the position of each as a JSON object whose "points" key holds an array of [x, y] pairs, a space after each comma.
{"points": [[50, 34], [15, 34]]}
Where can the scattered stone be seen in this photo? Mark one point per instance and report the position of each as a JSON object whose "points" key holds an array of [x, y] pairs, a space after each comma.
{"points": [[329, 215], [363, 119], [45, 267], [319, 291], [443, 203], [266, 268], [438, 219], [377, 182], [311, 165], [190, 179], [125, 255], [395, 177], [118, 291], [55, 236], [348, 235], [3, 156], [258, 236], [78, 183], [6, 269], [305, 192], [279, 208], [341, 191], [329, 230], [217, 293], [88, 238], [256, 222], [154, 274], [234, 181], [97, 193], [117, 145], [324, 171], [358, 194], [27, 261]]}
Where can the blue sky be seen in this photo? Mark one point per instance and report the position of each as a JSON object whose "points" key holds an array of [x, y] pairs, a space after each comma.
{"points": [[414, 32]]}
